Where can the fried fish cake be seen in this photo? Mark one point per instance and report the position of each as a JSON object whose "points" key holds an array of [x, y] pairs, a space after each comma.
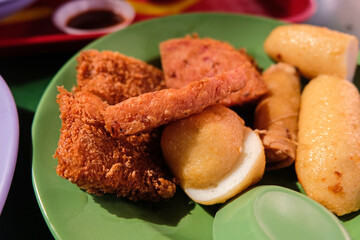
{"points": [[189, 59], [88, 156]]}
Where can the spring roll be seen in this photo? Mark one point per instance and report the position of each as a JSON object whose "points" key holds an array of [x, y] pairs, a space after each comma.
{"points": [[314, 50], [276, 115], [328, 154]]}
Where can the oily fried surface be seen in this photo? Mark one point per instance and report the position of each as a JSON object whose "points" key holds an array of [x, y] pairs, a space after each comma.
{"points": [[276, 115], [129, 167], [87, 155], [115, 77], [188, 59], [151, 110]]}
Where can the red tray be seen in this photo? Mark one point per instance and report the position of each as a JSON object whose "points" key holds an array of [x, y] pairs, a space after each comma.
{"points": [[31, 29]]}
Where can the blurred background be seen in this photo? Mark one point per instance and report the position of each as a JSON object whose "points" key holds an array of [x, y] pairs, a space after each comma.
{"points": [[28, 26]]}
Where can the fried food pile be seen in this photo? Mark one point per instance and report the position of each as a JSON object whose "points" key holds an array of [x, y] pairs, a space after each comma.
{"points": [[327, 155], [131, 166], [111, 121], [131, 130]]}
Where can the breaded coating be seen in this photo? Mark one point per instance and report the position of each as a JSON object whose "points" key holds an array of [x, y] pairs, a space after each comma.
{"points": [[115, 77], [189, 59], [88, 156], [150, 110]]}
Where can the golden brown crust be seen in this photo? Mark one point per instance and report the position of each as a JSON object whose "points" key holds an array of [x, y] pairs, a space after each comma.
{"points": [[129, 167], [203, 148], [154, 109], [87, 155], [328, 155], [115, 77], [189, 59]]}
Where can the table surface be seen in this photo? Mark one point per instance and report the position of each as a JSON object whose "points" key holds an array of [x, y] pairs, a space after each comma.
{"points": [[21, 217]]}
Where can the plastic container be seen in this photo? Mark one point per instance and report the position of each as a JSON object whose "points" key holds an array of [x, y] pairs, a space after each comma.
{"points": [[71, 9]]}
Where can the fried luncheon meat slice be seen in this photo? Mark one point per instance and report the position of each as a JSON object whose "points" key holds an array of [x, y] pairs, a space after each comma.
{"points": [[189, 59]]}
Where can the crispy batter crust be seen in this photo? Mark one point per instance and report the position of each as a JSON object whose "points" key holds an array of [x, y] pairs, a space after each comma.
{"points": [[189, 59], [87, 155], [154, 109], [129, 167], [115, 77]]}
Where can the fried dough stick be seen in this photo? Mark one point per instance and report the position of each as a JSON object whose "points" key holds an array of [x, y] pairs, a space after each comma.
{"points": [[276, 115], [185, 60], [150, 110], [88, 156]]}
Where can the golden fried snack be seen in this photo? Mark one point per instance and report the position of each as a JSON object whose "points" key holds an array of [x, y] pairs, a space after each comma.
{"points": [[115, 77], [276, 116], [189, 59], [88, 156], [328, 154], [213, 155], [154, 109], [204, 147], [314, 50]]}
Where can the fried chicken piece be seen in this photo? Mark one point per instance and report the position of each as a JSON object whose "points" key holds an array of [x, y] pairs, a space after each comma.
{"points": [[115, 77], [154, 109], [189, 59], [88, 156]]}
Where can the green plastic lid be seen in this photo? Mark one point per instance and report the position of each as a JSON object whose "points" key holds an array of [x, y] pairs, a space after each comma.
{"points": [[273, 212]]}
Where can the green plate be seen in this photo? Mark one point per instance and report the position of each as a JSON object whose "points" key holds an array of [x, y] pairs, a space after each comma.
{"points": [[73, 214]]}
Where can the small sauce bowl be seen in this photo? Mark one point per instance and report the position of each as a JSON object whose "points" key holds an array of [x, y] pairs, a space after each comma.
{"points": [[92, 11]]}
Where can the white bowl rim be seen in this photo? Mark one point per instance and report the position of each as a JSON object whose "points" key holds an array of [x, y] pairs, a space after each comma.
{"points": [[73, 8]]}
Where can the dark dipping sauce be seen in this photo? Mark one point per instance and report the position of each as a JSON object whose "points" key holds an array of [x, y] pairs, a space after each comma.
{"points": [[95, 19]]}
